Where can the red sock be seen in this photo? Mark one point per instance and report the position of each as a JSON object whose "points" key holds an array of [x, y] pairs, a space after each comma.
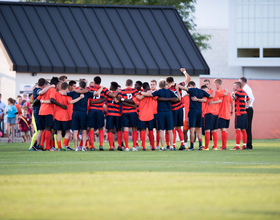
{"points": [[244, 137], [167, 138], [59, 144], [143, 138], [157, 138], [152, 139], [174, 137], [125, 137], [101, 137], [48, 139], [86, 145], [215, 138], [224, 139], [207, 139], [52, 143], [110, 139], [119, 136], [81, 142], [91, 138], [134, 138], [181, 136], [65, 144], [238, 137], [43, 138]]}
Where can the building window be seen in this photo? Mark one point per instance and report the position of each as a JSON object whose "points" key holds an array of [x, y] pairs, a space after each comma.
{"points": [[248, 52], [271, 52]]}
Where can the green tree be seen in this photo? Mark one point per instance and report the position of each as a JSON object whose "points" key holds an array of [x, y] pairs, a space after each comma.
{"points": [[186, 9]]}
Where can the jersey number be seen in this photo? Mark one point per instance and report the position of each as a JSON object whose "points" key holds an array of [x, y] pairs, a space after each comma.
{"points": [[96, 97], [129, 96]]}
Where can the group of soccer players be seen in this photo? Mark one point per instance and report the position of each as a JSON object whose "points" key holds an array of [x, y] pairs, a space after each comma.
{"points": [[60, 108]]}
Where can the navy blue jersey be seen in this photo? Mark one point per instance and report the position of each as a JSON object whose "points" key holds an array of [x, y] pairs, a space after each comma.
{"points": [[83, 103], [198, 93], [35, 96], [165, 93]]}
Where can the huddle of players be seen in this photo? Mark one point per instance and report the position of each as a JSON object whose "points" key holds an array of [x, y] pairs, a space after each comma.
{"points": [[59, 108]]}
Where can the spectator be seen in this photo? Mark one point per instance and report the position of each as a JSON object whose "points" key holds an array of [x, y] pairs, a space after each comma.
{"points": [[24, 124], [19, 104], [2, 109], [11, 112]]}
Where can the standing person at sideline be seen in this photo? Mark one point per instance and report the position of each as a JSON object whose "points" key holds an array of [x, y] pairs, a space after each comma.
{"points": [[249, 110], [24, 123], [242, 101], [11, 112], [2, 109]]}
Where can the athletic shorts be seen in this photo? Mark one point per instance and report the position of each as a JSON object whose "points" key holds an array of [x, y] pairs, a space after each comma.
{"points": [[113, 122], [186, 125], [223, 123], [11, 121], [195, 118], [61, 125], [241, 121], [178, 117], [211, 121], [25, 133], [47, 120], [146, 124], [203, 128], [156, 121], [79, 120], [39, 122], [165, 121], [95, 119], [129, 119]]}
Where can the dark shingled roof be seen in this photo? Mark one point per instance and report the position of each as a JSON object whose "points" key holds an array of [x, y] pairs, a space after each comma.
{"points": [[67, 38]]}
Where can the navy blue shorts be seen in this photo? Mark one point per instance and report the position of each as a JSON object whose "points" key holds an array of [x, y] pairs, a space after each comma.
{"points": [[47, 120], [211, 121], [223, 123], [61, 125], [79, 120], [241, 121], [39, 121], [95, 119], [178, 117], [113, 122], [129, 119], [146, 124], [165, 121], [156, 121], [195, 118]]}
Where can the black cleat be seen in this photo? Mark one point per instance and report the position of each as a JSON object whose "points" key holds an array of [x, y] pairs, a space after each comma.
{"points": [[101, 148], [120, 149], [200, 148], [182, 148], [167, 147], [112, 149], [191, 148], [153, 149], [92, 149], [68, 148], [144, 149], [174, 148]]}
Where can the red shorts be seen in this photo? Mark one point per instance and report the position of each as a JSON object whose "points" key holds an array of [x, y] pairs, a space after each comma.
{"points": [[186, 125]]}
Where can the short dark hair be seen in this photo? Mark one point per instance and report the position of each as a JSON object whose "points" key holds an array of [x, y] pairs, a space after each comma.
{"points": [[114, 85], [97, 80], [129, 82], [206, 80], [54, 81], [64, 85], [30, 94], [243, 79], [146, 85], [82, 84], [19, 96], [11, 100], [170, 79], [139, 83], [71, 83], [62, 78], [162, 84], [204, 87], [191, 83], [238, 83], [41, 82]]}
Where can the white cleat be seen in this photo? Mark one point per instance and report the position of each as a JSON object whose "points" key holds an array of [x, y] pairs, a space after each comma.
{"points": [[157, 147], [162, 149], [77, 149], [126, 149], [134, 149], [84, 149], [171, 148]]}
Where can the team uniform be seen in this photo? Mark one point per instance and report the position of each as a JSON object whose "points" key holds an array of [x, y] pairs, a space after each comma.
{"points": [[186, 103], [38, 118]]}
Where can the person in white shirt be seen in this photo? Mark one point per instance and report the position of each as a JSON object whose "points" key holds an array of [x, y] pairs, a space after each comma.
{"points": [[249, 110], [2, 109]]}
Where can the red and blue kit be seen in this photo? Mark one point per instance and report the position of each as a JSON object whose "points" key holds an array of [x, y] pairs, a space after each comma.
{"points": [[241, 98], [128, 93], [113, 114], [177, 107]]}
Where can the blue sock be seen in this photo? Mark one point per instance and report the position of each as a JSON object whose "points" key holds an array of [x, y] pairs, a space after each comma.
{"points": [[192, 144]]}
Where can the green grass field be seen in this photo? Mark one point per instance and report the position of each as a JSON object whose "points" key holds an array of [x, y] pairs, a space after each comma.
{"points": [[140, 185]]}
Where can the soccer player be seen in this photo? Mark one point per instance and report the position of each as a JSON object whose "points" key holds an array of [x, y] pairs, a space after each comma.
{"points": [[185, 101], [62, 79], [72, 85], [211, 116], [225, 112], [195, 111], [113, 118], [153, 86], [177, 107], [242, 101], [129, 116]]}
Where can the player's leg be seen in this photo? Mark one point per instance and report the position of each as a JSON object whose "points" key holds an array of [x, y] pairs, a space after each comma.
{"points": [[214, 130], [207, 125], [75, 137], [170, 127], [179, 124], [84, 134], [167, 139], [99, 124], [133, 118], [151, 125], [161, 135], [143, 137], [58, 139]]}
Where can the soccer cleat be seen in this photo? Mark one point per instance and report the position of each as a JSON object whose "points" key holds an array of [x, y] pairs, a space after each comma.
{"points": [[171, 148], [144, 149], [123, 148], [190, 148], [80, 148], [84, 149], [92, 149], [200, 148], [153, 149], [243, 148], [127, 149], [101, 148], [214, 148], [63, 148], [162, 149], [77, 149], [111, 149], [150, 147], [30, 149], [59, 149], [120, 149], [182, 148], [205, 148], [222, 148], [53, 149], [157, 147], [174, 148], [235, 148], [134, 149], [69, 148]]}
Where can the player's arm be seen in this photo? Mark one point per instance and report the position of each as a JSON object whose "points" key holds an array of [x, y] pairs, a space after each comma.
{"points": [[182, 87], [178, 93], [231, 108], [97, 93], [116, 100], [195, 99], [212, 95], [77, 99], [113, 95], [101, 100], [45, 101], [129, 104], [188, 78], [162, 99], [43, 91], [81, 91], [215, 102], [147, 94], [58, 104], [248, 103]]}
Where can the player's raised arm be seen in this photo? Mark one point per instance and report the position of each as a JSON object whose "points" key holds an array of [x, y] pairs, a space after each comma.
{"points": [[43, 91], [81, 91], [188, 78], [182, 87]]}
